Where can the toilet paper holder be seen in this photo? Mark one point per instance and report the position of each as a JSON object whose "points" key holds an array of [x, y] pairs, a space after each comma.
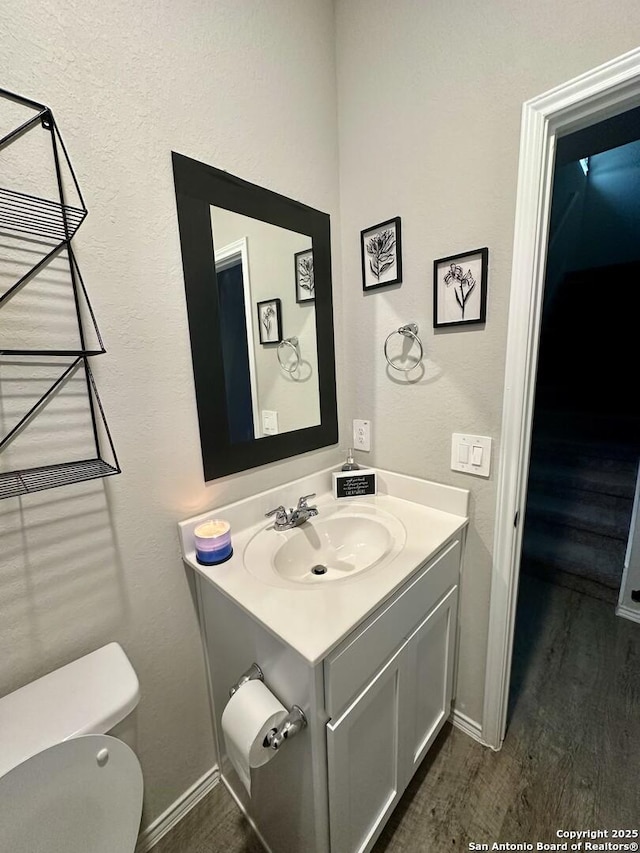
{"points": [[294, 722], [252, 674]]}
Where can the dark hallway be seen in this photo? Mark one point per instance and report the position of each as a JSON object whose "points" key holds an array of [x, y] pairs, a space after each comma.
{"points": [[586, 430]]}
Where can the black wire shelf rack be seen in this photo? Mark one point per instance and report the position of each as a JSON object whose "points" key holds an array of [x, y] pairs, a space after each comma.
{"points": [[14, 484], [38, 217], [51, 224], [24, 481], [81, 297]]}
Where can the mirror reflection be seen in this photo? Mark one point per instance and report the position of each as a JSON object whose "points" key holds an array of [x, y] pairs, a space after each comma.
{"points": [[267, 321]]}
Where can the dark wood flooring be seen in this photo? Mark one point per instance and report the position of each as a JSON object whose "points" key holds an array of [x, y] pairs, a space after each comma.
{"points": [[569, 761]]}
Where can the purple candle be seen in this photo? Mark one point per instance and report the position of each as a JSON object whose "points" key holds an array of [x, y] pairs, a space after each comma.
{"points": [[213, 542]]}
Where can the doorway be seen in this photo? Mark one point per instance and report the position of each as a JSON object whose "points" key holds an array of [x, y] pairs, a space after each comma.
{"points": [[586, 422], [600, 94], [236, 335], [235, 352]]}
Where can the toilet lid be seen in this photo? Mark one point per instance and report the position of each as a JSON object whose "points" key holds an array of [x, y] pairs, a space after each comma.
{"points": [[80, 796]]}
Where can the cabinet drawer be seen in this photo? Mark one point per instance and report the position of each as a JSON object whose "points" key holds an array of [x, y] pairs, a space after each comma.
{"points": [[348, 668]]}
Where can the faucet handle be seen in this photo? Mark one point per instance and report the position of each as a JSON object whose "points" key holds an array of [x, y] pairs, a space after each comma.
{"points": [[302, 502], [279, 512]]}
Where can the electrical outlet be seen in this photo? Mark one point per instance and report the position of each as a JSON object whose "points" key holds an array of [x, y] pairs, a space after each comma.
{"points": [[361, 435]]}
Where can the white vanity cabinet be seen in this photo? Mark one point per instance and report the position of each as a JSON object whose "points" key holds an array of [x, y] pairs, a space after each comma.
{"points": [[374, 705], [369, 658], [388, 690]]}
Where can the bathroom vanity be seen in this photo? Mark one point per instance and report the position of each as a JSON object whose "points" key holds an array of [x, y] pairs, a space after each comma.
{"points": [[366, 649]]}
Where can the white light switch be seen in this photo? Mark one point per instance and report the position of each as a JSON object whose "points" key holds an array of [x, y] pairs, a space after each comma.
{"points": [[269, 422], [471, 454]]}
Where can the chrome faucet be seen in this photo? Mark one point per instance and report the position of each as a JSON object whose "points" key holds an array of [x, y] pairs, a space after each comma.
{"points": [[295, 517]]}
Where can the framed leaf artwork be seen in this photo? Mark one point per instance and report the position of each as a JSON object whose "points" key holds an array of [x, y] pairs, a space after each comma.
{"points": [[381, 254]]}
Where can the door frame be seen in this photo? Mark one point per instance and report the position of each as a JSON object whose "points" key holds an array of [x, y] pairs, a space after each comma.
{"points": [[599, 94], [225, 257]]}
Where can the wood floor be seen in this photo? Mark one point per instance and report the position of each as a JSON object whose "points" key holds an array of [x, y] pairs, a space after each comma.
{"points": [[570, 758]]}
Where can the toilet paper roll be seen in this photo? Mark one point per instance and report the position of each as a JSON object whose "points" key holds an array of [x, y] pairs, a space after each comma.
{"points": [[251, 712]]}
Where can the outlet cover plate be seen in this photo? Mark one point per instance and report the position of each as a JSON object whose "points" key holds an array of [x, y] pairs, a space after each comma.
{"points": [[361, 435]]}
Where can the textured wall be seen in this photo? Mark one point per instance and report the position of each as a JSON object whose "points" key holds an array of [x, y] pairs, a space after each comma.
{"points": [[430, 98], [610, 230], [595, 219], [248, 87]]}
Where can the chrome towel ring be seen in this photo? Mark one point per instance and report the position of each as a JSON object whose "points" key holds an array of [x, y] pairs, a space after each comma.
{"points": [[292, 343], [408, 331]]}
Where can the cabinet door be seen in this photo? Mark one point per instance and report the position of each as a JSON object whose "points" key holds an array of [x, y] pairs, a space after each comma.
{"points": [[366, 770], [429, 686], [355, 662]]}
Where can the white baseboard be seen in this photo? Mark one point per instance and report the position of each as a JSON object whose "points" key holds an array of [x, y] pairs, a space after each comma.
{"points": [[628, 613], [177, 810], [467, 725]]}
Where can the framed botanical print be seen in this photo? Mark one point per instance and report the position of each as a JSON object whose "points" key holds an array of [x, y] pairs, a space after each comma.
{"points": [[381, 251], [305, 282], [270, 321], [460, 289]]}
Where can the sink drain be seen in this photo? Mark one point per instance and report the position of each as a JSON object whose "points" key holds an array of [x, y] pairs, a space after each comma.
{"points": [[319, 570]]}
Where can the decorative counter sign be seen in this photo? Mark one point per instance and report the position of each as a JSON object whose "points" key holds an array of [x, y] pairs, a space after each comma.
{"points": [[355, 484]]}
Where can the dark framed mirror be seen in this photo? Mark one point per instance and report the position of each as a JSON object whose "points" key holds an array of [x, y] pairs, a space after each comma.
{"points": [[257, 274]]}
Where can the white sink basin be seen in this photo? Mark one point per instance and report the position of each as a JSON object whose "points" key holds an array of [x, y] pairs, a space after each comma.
{"points": [[335, 546]]}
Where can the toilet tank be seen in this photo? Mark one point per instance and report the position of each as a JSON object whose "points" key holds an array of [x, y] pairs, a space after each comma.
{"points": [[88, 696]]}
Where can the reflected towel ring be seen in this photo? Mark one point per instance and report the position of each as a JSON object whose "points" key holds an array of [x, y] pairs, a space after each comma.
{"points": [[293, 344], [408, 331]]}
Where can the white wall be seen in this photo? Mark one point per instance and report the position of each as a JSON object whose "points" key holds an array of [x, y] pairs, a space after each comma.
{"points": [[595, 217], [248, 87], [430, 97], [610, 231]]}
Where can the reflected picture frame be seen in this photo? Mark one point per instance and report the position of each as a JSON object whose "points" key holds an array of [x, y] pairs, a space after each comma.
{"points": [[270, 321], [304, 276]]}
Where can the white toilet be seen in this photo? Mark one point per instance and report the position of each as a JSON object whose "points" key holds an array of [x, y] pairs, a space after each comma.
{"points": [[65, 786]]}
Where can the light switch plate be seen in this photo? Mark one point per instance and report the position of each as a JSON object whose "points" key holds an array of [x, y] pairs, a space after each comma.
{"points": [[269, 422], [471, 454], [361, 435]]}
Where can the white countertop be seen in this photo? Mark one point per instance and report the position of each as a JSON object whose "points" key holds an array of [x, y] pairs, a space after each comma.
{"points": [[313, 619]]}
